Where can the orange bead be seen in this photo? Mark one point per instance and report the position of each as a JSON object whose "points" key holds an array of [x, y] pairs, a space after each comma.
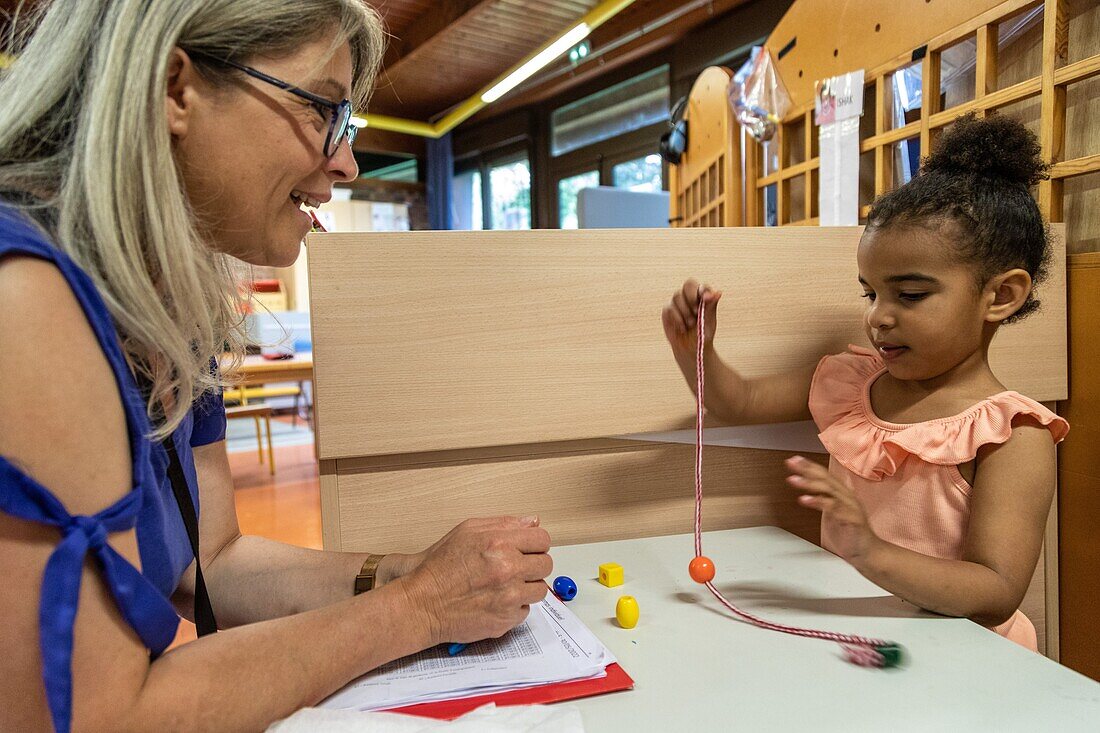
{"points": [[701, 569]]}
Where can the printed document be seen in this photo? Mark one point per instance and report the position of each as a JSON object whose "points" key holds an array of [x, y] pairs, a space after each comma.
{"points": [[552, 645]]}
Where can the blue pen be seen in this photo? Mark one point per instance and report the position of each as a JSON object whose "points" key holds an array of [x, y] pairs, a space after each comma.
{"points": [[455, 648]]}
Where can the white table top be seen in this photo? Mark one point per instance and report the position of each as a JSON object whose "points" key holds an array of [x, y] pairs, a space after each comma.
{"points": [[697, 669]]}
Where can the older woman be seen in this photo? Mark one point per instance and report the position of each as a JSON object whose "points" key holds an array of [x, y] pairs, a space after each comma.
{"points": [[143, 146]]}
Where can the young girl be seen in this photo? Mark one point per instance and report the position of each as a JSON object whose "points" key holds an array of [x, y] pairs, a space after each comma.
{"points": [[940, 480]]}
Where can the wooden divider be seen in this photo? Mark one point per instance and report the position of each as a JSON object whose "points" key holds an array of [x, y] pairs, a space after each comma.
{"points": [[429, 341]]}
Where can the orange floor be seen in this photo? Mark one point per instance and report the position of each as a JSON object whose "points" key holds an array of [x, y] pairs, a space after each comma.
{"points": [[284, 507]]}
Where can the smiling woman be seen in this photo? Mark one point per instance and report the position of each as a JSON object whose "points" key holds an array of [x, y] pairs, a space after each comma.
{"points": [[299, 143], [143, 148]]}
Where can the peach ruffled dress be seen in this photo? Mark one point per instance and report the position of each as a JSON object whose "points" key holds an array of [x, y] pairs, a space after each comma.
{"points": [[907, 476]]}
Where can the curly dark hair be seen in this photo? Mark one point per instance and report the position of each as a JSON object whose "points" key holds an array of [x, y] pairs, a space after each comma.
{"points": [[978, 180]]}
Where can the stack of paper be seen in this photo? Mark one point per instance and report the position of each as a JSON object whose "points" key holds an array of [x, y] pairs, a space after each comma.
{"points": [[552, 645]]}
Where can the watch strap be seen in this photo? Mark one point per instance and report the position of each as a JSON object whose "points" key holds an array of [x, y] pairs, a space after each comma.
{"points": [[364, 581]]}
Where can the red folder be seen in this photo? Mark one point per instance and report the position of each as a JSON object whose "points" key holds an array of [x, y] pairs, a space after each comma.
{"points": [[615, 680]]}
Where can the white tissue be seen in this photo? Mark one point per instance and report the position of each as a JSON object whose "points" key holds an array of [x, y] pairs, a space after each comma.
{"points": [[486, 719]]}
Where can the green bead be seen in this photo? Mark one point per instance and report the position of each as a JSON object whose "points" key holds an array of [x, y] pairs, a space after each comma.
{"points": [[892, 655]]}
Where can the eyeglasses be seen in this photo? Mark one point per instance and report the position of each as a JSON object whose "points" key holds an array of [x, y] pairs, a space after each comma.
{"points": [[341, 112]]}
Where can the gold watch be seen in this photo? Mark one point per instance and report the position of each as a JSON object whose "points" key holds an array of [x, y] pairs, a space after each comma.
{"points": [[364, 581]]}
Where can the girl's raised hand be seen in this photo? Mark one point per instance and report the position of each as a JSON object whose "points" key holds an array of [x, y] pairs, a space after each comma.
{"points": [[679, 316], [853, 538]]}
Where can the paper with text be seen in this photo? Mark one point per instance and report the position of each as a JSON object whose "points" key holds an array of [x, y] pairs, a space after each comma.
{"points": [[552, 645]]}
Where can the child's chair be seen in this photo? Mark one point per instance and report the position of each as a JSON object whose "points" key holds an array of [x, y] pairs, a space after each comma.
{"points": [[257, 412]]}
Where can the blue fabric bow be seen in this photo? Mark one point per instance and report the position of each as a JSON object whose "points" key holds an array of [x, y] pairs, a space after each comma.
{"points": [[143, 606]]}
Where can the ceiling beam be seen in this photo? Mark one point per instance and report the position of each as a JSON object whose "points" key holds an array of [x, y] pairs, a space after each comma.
{"points": [[425, 28], [374, 140]]}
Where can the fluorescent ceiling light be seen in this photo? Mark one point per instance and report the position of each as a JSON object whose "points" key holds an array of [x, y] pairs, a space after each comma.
{"points": [[359, 121], [541, 59]]}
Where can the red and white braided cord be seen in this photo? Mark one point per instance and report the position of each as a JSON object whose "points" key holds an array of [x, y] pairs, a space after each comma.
{"points": [[859, 650]]}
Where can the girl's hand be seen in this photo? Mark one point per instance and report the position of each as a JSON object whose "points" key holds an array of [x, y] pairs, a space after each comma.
{"points": [[480, 580], [680, 314], [852, 534]]}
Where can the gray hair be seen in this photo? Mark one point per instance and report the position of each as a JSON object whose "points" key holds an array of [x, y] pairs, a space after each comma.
{"points": [[86, 153]]}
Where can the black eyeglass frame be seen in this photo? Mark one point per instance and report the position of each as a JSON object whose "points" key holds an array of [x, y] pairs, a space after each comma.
{"points": [[342, 111]]}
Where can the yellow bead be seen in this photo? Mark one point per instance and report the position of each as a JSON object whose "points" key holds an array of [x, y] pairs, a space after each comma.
{"points": [[626, 612], [611, 574]]}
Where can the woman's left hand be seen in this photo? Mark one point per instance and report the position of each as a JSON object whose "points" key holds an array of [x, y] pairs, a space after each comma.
{"points": [[851, 533]]}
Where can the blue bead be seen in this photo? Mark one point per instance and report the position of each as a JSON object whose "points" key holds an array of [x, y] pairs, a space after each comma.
{"points": [[565, 588]]}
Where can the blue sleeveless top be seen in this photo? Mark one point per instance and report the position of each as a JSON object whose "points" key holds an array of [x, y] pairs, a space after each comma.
{"points": [[141, 596]]}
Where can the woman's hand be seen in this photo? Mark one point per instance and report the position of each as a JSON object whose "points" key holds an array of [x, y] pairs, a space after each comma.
{"points": [[396, 565], [680, 315], [852, 536], [480, 579]]}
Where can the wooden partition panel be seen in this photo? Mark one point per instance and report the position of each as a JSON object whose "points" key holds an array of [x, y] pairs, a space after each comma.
{"points": [[430, 341], [583, 495]]}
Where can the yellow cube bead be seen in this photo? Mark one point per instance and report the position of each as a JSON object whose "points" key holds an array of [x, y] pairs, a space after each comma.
{"points": [[611, 574]]}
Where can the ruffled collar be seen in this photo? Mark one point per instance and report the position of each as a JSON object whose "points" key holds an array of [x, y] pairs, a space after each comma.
{"points": [[874, 448]]}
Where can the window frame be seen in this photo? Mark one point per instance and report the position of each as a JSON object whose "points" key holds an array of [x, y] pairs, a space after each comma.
{"points": [[602, 157], [484, 162], [557, 189]]}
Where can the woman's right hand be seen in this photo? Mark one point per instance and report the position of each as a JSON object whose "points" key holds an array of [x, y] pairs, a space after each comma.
{"points": [[479, 580], [680, 315]]}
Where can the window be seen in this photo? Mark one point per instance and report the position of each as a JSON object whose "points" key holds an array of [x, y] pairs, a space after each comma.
{"points": [[387, 167], [406, 171], [640, 174], [510, 195], [607, 138], [468, 212], [906, 91], [492, 192], [617, 110], [567, 196]]}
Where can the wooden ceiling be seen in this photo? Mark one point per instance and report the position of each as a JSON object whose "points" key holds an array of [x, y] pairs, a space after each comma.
{"points": [[443, 52]]}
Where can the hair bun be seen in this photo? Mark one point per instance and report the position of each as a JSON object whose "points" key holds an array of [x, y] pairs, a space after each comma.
{"points": [[993, 147]]}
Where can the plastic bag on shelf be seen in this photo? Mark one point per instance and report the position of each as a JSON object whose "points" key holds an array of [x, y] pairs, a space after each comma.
{"points": [[758, 96]]}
